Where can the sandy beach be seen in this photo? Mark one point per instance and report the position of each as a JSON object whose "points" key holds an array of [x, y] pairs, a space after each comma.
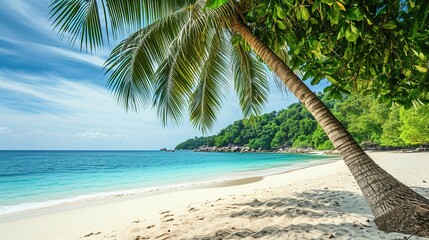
{"points": [[318, 202]]}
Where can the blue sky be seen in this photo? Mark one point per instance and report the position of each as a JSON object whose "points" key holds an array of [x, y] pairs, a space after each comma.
{"points": [[52, 96]]}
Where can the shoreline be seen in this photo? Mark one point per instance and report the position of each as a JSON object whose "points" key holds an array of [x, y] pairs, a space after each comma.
{"points": [[312, 202], [232, 179], [368, 148]]}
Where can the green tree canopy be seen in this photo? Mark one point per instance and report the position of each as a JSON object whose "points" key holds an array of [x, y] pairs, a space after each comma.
{"points": [[376, 47], [415, 128], [392, 129]]}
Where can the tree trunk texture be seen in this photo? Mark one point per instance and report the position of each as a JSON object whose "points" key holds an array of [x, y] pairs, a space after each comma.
{"points": [[396, 207]]}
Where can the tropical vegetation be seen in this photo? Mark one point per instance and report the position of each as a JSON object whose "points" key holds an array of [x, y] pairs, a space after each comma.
{"points": [[295, 127], [181, 56]]}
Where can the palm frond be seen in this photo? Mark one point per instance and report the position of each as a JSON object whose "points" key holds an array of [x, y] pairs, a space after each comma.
{"points": [[171, 91], [78, 19], [127, 16], [222, 15], [187, 60], [279, 84], [179, 58], [177, 74], [250, 81], [81, 19], [133, 63], [283, 54], [207, 98]]}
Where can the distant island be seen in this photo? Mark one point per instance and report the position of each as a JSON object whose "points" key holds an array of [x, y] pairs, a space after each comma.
{"points": [[373, 125]]}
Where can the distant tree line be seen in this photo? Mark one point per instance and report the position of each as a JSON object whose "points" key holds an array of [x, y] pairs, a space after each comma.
{"points": [[366, 119]]}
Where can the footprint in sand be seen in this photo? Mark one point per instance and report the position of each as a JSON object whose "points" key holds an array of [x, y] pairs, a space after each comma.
{"points": [[163, 235], [141, 238], [192, 209], [169, 216], [91, 234]]}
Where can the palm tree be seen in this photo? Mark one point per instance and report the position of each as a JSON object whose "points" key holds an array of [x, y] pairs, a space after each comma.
{"points": [[181, 58]]}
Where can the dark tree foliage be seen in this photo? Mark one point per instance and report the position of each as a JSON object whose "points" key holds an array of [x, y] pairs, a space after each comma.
{"points": [[196, 142], [374, 47]]}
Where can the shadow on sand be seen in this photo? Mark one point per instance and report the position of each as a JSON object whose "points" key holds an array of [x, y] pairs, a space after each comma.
{"points": [[291, 217]]}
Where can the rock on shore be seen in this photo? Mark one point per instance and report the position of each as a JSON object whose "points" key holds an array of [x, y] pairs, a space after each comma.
{"points": [[229, 148], [233, 148]]}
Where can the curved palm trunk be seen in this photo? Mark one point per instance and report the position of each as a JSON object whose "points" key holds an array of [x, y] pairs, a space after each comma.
{"points": [[395, 206]]}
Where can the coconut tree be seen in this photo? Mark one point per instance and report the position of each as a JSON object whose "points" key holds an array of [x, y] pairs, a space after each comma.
{"points": [[183, 56]]}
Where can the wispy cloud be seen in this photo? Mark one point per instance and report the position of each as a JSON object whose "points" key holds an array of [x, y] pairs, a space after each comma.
{"points": [[6, 52], [100, 135], [55, 51], [43, 41], [34, 15], [79, 56], [4, 130]]}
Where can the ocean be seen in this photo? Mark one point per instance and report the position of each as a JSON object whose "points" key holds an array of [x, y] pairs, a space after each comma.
{"points": [[37, 179]]}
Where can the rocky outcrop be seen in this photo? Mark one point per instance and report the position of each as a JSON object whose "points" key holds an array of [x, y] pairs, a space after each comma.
{"points": [[295, 150], [229, 148], [331, 152], [233, 148], [367, 146]]}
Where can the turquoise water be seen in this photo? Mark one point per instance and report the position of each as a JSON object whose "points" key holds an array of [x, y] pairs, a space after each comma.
{"points": [[34, 179]]}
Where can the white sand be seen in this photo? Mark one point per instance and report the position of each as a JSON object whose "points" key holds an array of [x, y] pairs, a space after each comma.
{"points": [[310, 203]]}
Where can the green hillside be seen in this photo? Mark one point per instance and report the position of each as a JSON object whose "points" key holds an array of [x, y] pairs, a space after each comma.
{"points": [[367, 121]]}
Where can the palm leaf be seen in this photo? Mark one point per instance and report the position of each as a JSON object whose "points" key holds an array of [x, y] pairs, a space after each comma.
{"points": [[178, 58], [283, 54], [130, 15], [176, 76], [207, 98], [133, 63], [279, 84], [171, 92], [79, 19], [250, 81], [189, 52]]}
